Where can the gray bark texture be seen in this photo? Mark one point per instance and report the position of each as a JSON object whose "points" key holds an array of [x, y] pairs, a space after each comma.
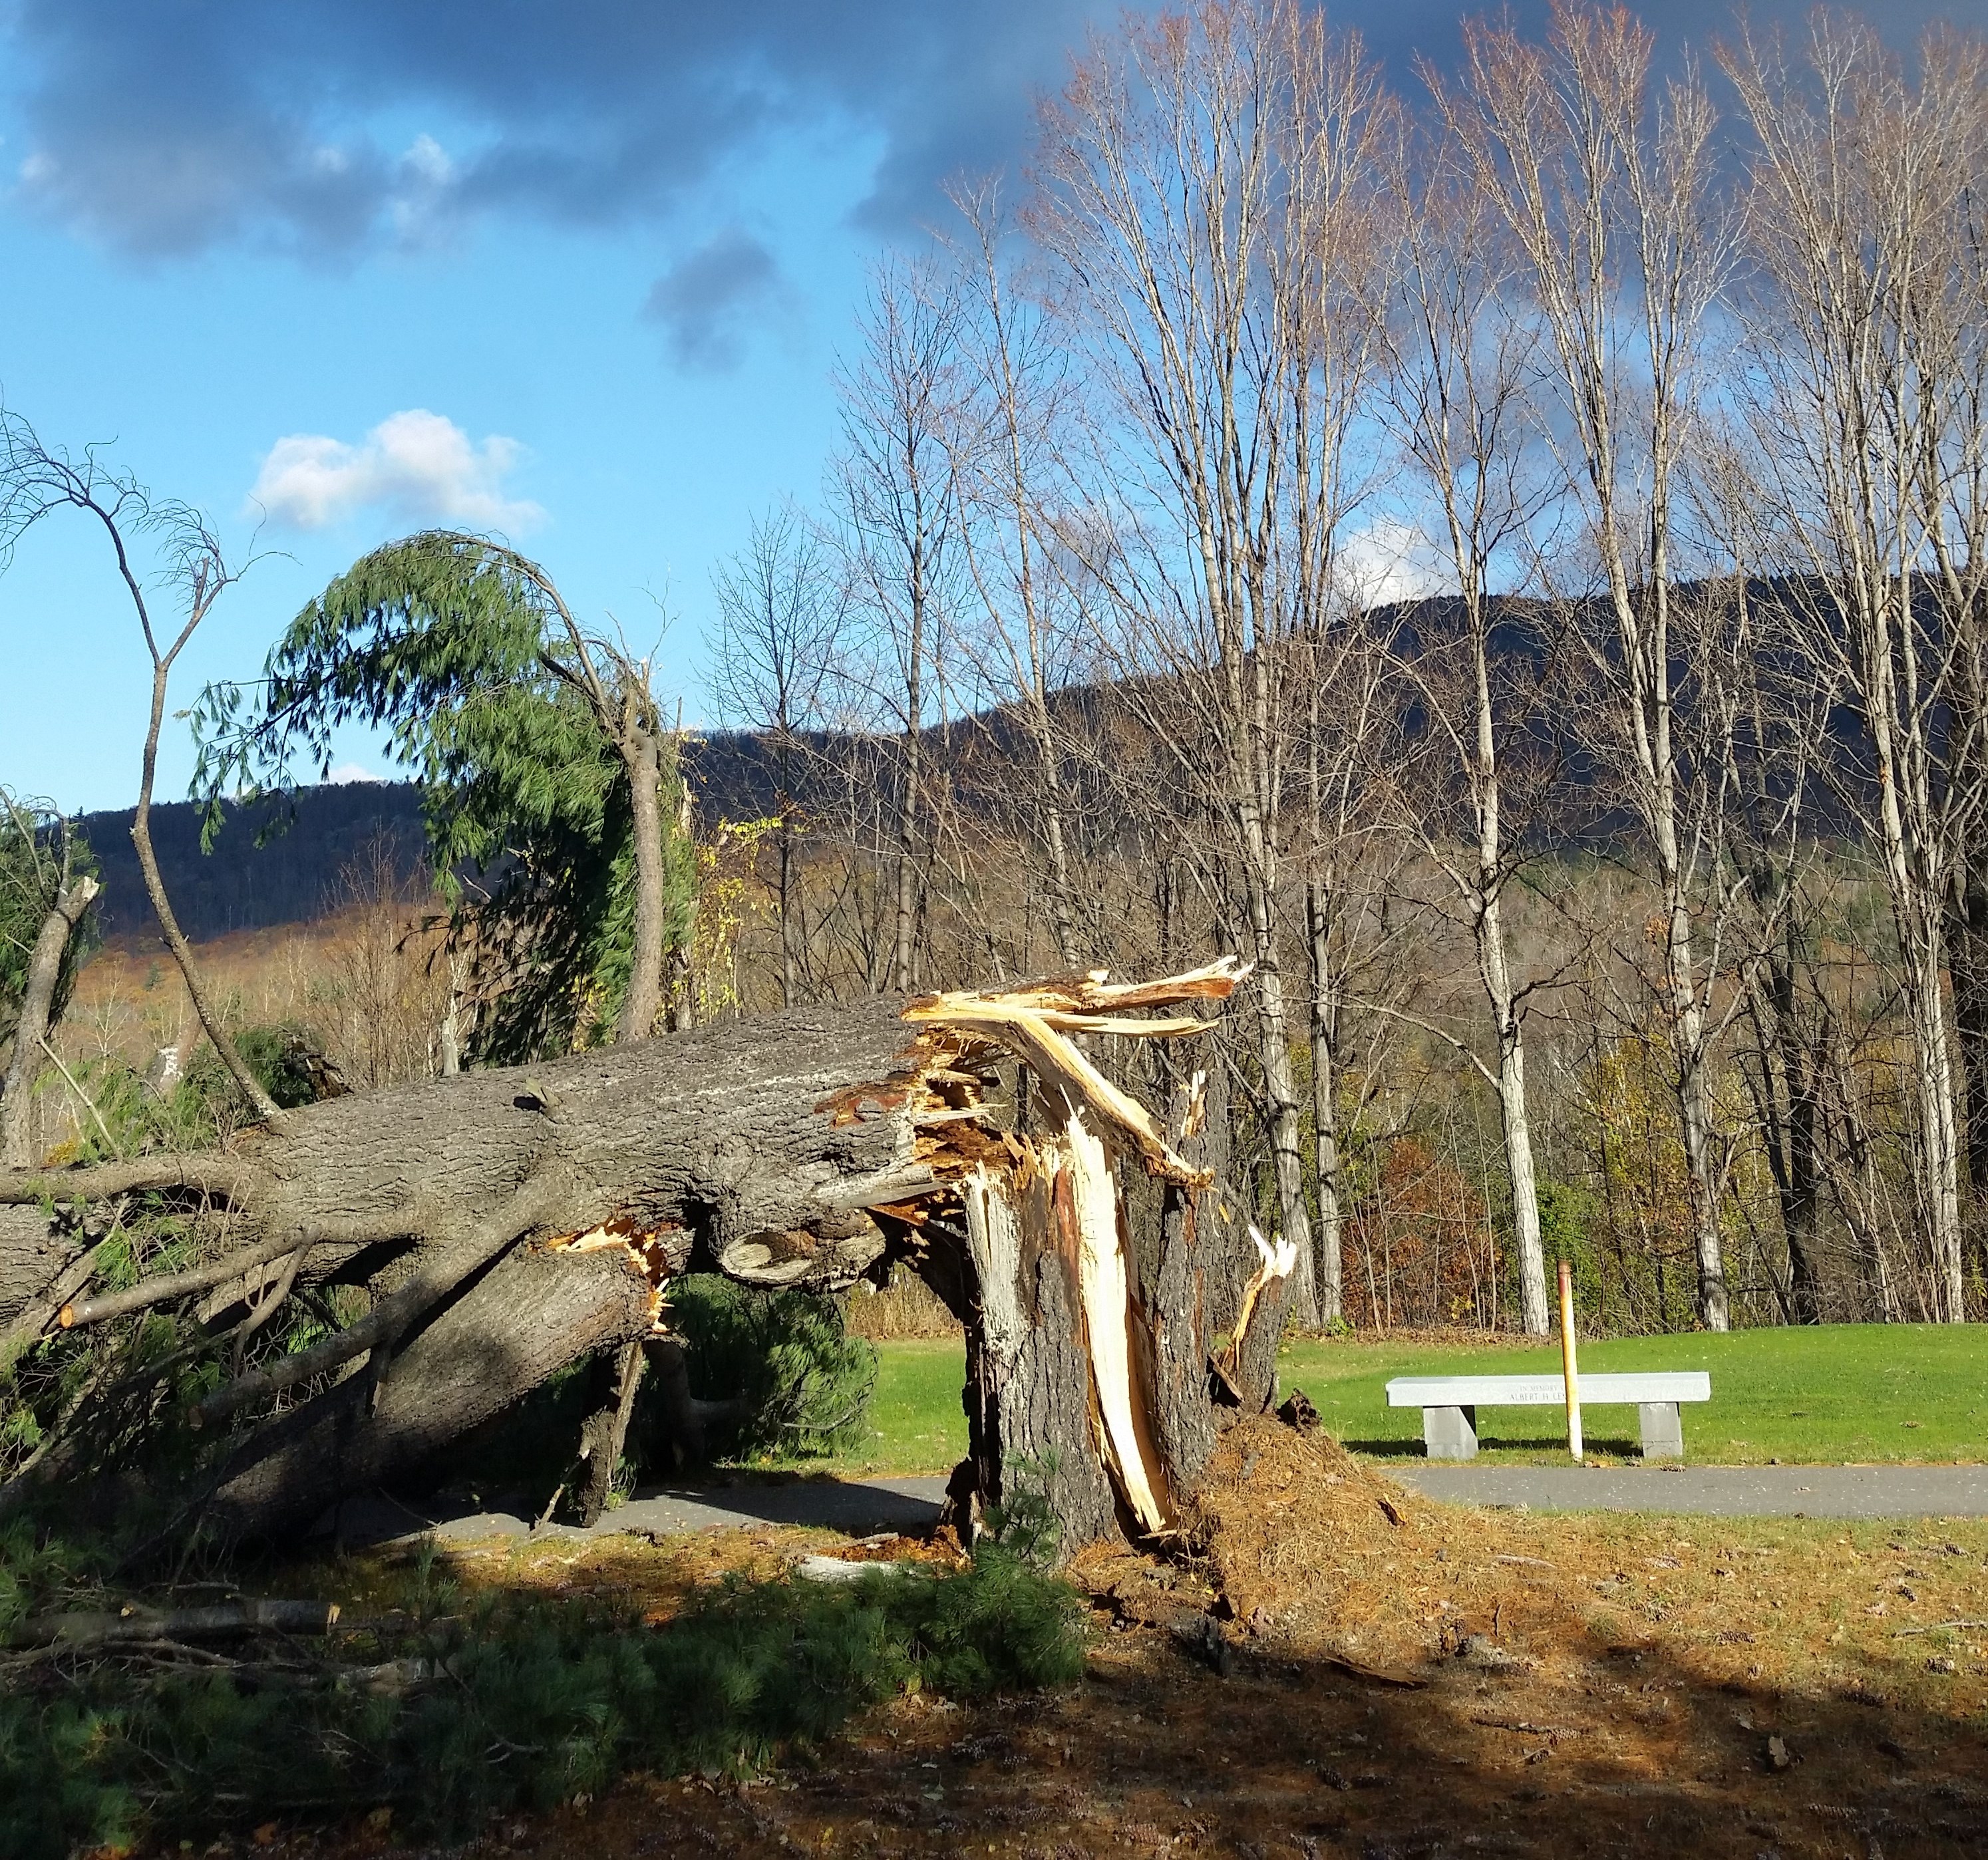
{"points": [[44, 963], [507, 1223]]}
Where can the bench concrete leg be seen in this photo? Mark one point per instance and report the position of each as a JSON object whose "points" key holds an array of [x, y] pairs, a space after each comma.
{"points": [[1450, 1433], [1663, 1432]]}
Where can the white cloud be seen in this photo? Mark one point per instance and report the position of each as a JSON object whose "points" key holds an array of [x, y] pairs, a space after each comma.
{"points": [[416, 464], [347, 773], [425, 160], [1389, 561], [424, 189]]}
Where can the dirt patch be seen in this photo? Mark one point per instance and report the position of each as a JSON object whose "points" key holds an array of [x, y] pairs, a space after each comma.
{"points": [[1330, 1666]]}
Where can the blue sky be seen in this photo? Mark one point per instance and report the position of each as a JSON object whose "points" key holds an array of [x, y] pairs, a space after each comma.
{"points": [[578, 272]]}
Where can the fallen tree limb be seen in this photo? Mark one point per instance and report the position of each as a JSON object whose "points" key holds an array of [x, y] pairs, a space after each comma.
{"points": [[209, 1173], [90, 1628], [168, 1286], [536, 1200], [524, 1319], [505, 1223]]}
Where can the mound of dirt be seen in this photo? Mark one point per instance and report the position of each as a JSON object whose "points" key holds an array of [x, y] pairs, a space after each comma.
{"points": [[1298, 1547], [1279, 1510]]}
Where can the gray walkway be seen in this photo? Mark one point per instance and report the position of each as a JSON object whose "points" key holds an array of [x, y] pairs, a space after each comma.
{"points": [[860, 1508], [1835, 1491]]}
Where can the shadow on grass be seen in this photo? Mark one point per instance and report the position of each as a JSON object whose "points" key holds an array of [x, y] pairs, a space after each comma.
{"points": [[1414, 1449]]}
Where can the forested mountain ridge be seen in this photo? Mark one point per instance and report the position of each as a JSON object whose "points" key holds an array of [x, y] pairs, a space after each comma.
{"points": [[258, 879], [255, 879], [291, 877]]}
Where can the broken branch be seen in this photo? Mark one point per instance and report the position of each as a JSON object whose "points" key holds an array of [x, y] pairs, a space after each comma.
{"points": [[149, 1292], [535, 1199], [101, 1628]]}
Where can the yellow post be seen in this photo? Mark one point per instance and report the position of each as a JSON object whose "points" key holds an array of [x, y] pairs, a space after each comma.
{"points": [[1567, 1365]]}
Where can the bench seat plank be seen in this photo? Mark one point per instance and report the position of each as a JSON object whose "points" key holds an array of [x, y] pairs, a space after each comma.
{"points": [[1548, 1391]]}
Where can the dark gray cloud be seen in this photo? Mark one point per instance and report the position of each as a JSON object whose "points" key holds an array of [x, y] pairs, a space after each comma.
{"points": [[166, 126], [708, 300]]}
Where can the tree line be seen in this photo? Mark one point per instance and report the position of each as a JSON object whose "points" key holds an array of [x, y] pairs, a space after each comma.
{"points": [[1502, 557], [1507, 560]]}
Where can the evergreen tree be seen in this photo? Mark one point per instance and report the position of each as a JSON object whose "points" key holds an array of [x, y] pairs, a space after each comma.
{"points": [[538, 747]]}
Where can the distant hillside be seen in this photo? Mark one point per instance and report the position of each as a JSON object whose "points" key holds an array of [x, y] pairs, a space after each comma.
{"points": [[292, 878]]}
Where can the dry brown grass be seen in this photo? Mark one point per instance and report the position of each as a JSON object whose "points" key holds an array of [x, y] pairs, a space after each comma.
{"points": [[906, 1307], [1620, 1682], [362, 980]]}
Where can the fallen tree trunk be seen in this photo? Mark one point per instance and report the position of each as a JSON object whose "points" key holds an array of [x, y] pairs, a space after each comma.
{"points": [[506, 1223], [101, 1627]]}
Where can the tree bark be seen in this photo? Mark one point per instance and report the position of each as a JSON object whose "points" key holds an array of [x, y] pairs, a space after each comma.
{"points": [[1790, 1111], [618, 1377], [1093, 1380], [905, 904], [1273, 1055], [682, 989], [169, 932], [1967, 944], [1517, 1128], [1325, 1007], [641, 757], [523, 1321], [508, 1223], [1508, 1024], [44, 964]]}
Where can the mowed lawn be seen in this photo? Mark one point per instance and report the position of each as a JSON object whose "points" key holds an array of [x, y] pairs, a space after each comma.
{"points": [[1827, 1394], [917, 1423]]}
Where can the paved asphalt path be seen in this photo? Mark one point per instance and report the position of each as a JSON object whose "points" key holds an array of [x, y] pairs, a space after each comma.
{"points": [[860, 1508], [1846, 1492]]}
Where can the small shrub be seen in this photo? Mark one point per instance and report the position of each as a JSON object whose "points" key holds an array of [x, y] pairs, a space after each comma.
{"points": [[802, 1383]]}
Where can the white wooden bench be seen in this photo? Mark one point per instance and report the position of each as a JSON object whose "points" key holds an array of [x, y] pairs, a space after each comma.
{"points": [[1449, 1404]]}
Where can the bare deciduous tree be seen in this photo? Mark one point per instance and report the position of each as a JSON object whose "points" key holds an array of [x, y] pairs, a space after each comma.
{"points": [[1868, 378], [1206, 200], [781, 610], [1014, 372], [1461, 358], [893, 488], [36, 481], [1607, 190], [41, 866]]}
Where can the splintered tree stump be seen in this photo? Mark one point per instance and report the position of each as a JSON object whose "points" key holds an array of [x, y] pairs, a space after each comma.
{"points": [[508, 1223]]}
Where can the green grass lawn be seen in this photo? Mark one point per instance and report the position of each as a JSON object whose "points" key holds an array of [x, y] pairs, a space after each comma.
{"points": [[1821, 1395], [916, 1422]]}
